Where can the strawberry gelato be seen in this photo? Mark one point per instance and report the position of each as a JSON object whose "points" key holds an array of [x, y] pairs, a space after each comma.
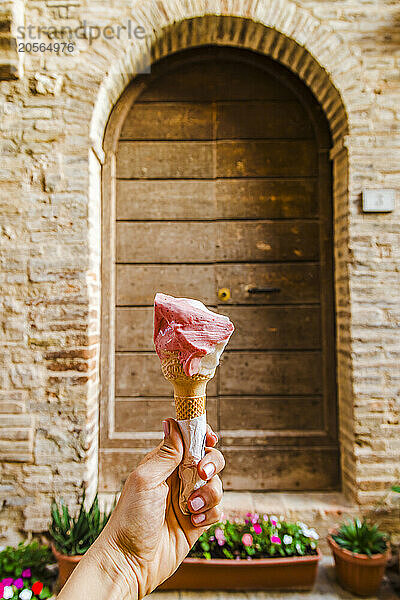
{"points": [[196, 334]]}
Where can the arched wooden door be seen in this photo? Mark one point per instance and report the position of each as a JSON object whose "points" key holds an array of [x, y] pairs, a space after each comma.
{"points": [[223, 182]]}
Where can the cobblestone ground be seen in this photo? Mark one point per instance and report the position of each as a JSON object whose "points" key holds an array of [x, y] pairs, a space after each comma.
{"points": [[325, 588]]}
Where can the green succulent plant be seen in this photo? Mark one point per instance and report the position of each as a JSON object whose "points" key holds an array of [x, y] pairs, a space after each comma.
{"points": [[74, 535], [361, 537]]}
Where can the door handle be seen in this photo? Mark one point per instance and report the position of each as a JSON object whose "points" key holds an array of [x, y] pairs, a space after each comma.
{"points": [[266, 290]]}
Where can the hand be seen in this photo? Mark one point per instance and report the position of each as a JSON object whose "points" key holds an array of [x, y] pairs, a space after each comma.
{"points": [[147, 536]]}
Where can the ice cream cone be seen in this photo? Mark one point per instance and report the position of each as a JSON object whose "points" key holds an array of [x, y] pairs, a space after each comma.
{"points": [[190, 405]]}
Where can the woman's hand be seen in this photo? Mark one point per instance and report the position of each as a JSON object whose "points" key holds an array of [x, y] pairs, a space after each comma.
{"points": [[147, 536]]}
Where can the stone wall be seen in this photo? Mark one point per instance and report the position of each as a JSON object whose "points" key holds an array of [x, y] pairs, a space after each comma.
{"points": [[53, 115]]}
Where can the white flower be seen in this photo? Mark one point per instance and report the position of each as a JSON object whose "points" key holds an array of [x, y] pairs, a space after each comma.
{"points": [[26, 595], [287, 539], [313, 534], [298, 547], [273, 519], [8, 592], [313, 545]]}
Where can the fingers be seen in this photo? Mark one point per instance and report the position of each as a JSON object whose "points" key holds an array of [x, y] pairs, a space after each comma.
{"points": [[211, 437], [208, 518], [213, 462], [206, 497]]}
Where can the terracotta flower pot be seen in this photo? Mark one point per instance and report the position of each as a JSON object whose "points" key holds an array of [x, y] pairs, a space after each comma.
{"points": [[358, 573], [284, 573], [66, 564]]}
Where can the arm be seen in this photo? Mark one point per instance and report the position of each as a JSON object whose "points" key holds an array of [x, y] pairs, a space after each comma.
{"points": [[148, 536]]}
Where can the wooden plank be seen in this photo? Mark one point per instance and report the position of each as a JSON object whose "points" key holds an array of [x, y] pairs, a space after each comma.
{"points": [[139, 374], [272, 327], [265, 199], [263, 119], [134, 328], [250, 469], [266, 159], [259, 241], [298, 283], [256, 327], [187, 199], [146, 414], [168, 121], [269, 413], [215, 80], [169, 242], [220, 199], [270, 373], [165, 160], [138, 284], [166, 242], [281, 469]]}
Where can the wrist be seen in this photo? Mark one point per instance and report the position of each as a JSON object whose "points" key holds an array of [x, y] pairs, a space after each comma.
{"points": [[115, 569], [103, 572]]}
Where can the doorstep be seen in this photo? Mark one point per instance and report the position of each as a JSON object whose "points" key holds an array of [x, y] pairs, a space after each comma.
{"points": [[321, 510]]}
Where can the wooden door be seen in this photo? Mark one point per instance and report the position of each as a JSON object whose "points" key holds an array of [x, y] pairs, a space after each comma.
{"points": [[223, 182]]}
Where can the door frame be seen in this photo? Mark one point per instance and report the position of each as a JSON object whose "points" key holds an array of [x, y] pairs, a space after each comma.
{"points": [[324, 142]]}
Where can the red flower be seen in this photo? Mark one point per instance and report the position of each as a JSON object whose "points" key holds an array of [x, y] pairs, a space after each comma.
{"points": [[247, 539], [37, 587]]}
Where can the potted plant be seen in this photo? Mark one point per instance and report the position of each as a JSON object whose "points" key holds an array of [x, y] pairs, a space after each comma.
{"points": [[361, 552], [258, 553], [72, 536], [24, 572]]}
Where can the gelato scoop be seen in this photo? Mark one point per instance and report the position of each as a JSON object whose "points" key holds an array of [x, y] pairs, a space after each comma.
{"points": [[186, 327]]}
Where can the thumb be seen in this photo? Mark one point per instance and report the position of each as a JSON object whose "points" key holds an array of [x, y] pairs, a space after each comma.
{"points": [[161, 462]]}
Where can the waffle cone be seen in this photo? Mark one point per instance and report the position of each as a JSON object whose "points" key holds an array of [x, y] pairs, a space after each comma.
{"points": [[189, 392], [189, 407]]}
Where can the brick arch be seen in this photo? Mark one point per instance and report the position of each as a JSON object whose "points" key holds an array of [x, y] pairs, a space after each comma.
{"points": [[292, 37]]}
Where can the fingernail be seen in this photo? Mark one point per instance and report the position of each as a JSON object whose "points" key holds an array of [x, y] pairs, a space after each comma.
{"points": [[165, 425], [199, 518], [209, 470], [197, 503]]}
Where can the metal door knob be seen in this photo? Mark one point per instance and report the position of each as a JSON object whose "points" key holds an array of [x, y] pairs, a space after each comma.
{"points": [[224, 294]]}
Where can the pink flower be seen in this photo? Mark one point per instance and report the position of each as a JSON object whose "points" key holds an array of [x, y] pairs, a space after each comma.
{"points": [[249, 515], [1, 589], [7, 581], [26, 573], [275, 539], [255, 518], [257, 528], [220, 537], [19, 584], [247, 539]]}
